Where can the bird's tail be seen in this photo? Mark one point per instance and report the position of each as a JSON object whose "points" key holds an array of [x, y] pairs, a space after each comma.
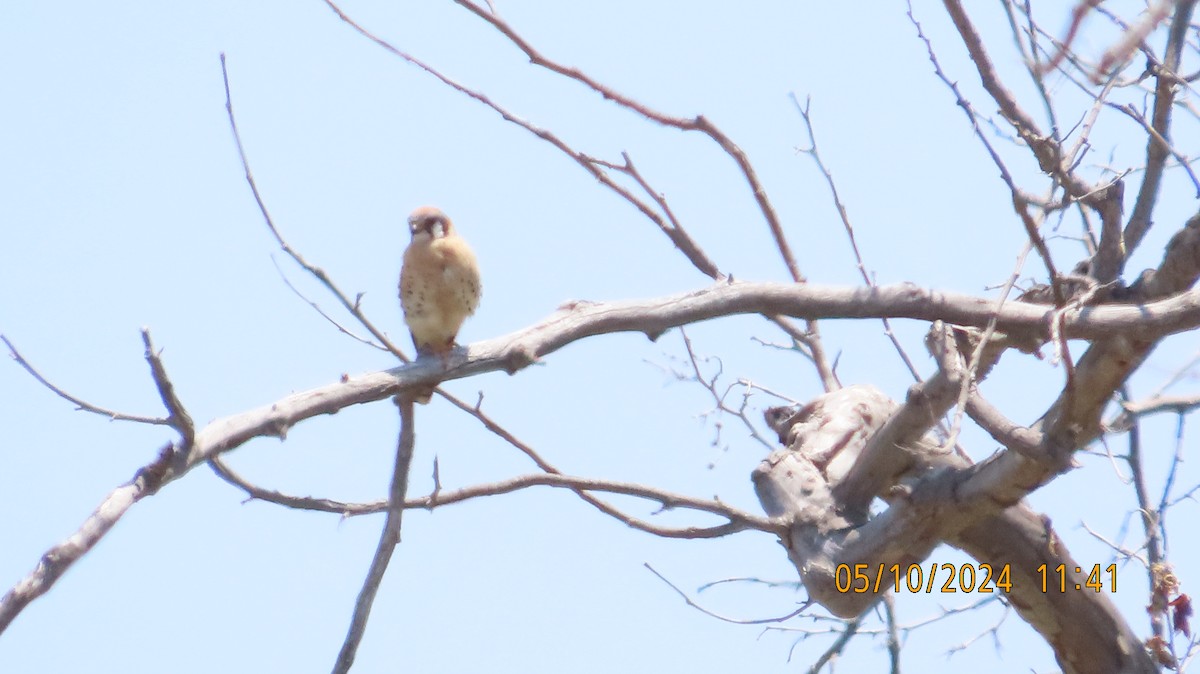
{"points": [[422, 395]]}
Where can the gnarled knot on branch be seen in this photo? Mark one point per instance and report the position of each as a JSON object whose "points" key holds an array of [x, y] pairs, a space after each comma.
{"points": [[823, 439], [839, 551]]}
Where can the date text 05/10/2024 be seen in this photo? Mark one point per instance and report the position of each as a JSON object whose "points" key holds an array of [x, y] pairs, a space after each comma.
{"points": [[983, 578]]}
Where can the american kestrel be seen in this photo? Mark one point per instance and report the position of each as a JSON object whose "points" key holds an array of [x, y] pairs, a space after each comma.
{"points": [[439, 284]]}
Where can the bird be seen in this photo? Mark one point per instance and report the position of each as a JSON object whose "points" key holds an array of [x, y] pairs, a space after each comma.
{"points": [[439, 285]]}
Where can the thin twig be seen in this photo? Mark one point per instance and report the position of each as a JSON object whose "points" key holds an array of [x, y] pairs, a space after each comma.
{"points": [[1156, 136], [674, 230], [317, 272], [710, 385], [776, 394], [971, 371], [994, 631], [1151, 527], [1177, 460], [1047, 152], [699, 123], [738, 520], [608, 509], [1018, 199], [695, 255], [838, 645], [178, 417], [1033, 63], [815, 152], [669, 226], [80, 404], [256, 492], [317, 308], [718, 616]]}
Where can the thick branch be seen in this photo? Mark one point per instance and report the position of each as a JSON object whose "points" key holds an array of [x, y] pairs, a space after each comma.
{"points": [[889, 453], [517, 350], [927, 506], [512, 352], [977, 508]]}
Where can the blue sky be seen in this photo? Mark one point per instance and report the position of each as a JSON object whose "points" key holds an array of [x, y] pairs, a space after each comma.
{"points": [[122, 205]]}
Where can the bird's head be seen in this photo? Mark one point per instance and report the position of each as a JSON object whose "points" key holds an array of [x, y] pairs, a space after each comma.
{"points": [[429, 221]]}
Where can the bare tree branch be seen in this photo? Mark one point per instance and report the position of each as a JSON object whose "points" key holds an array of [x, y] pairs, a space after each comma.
{"points": [[177, 416], [256, 492], [1145, 322], [1020, 200], [1047, 152], [317, 272], [933, 495], [669, 226], [80, 404], [1176, 404], [937, 500], [1157, 152], [710, 384], [676, 233], [814, 152], [1155, 136], [1077, 15], [678, 236], [893, 633], [736, 621], [317, 308], [1147, 511], [699, 123], [738, 520], [388, 539], [1018, 438], [55, 562], [849, 630]]}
